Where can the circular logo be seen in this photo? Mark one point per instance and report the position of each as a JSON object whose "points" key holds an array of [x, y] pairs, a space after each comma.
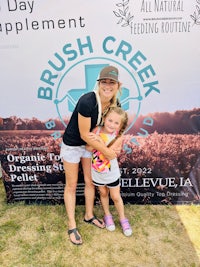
{"points": [[81, 78]]}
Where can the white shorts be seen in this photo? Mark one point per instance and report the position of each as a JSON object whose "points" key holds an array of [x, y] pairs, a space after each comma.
{"points": [[73, 154]]}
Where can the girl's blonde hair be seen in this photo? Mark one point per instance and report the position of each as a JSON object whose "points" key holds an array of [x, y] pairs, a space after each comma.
{"points": [[124, 118]]}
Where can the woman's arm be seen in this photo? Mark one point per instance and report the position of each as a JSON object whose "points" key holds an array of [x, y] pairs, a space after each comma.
{"points": [[94, 136], [84, 124], [116, 146]]}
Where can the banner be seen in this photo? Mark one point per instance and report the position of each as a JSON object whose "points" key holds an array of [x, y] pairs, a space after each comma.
{"points": [[52, 52]]}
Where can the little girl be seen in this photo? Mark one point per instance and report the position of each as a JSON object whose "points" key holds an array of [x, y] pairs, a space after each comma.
{"points": [[105, 173]]}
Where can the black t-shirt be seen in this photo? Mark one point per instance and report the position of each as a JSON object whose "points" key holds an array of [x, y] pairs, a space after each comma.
{"points": [[87, 106]]}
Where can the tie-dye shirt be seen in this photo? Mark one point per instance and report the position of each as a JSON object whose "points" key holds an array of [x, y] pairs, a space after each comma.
{"points": [[99, 162]]}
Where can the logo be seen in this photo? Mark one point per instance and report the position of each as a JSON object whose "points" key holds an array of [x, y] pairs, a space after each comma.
{"points": [[74, 71], [113, 73]]}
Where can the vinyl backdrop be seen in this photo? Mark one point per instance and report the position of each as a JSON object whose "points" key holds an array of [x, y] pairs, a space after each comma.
{"points": [[51, 53]]}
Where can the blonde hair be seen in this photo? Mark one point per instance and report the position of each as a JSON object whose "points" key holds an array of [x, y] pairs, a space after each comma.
{"points": [[124, 118]]}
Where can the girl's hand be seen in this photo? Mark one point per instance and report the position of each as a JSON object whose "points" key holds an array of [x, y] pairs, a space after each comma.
{"points": [[117, 146], [110, 154], [117, 150], [92, 136], [95, 137]]}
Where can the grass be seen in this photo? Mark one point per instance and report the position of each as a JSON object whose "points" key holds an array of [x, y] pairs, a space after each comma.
{"points": [[36, 236]]}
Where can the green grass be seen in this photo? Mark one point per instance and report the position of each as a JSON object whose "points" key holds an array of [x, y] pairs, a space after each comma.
{"points": [[36, 236]]}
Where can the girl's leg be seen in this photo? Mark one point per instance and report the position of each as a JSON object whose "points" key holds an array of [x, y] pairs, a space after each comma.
{"points": [[117, 199], [89, 193], [104, 197], [71, 174], [118, 202]]}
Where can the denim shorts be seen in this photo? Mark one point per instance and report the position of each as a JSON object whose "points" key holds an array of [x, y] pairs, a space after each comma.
{"points": [[73, 154]]}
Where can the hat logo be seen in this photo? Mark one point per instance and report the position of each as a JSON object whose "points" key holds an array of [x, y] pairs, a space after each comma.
{"points": [[113, 73]]}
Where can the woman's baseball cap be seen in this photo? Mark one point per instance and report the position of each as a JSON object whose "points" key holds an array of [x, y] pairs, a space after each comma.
{"points": [[109, 72]]}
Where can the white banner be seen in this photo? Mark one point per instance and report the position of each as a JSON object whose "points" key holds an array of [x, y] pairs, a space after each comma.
{"points": [[51, 53]]}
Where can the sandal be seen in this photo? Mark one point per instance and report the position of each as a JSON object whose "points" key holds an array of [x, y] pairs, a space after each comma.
{"points": [[77, 236], [92, 221], [126, 227], [110, 225]]}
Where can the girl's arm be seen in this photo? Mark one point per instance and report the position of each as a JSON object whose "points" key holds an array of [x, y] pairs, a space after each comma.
{"points": [[84, 124], [117, 145]]}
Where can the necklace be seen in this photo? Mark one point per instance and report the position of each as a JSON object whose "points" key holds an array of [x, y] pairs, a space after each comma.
{"points": [[105, 110]]}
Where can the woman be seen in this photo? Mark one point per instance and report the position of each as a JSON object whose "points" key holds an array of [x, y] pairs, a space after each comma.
{"points": [[86, 115]]}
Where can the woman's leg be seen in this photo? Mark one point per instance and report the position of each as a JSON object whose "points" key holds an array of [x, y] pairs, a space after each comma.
{"points": [[118, 202], [71, 175], [89, 192]]}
